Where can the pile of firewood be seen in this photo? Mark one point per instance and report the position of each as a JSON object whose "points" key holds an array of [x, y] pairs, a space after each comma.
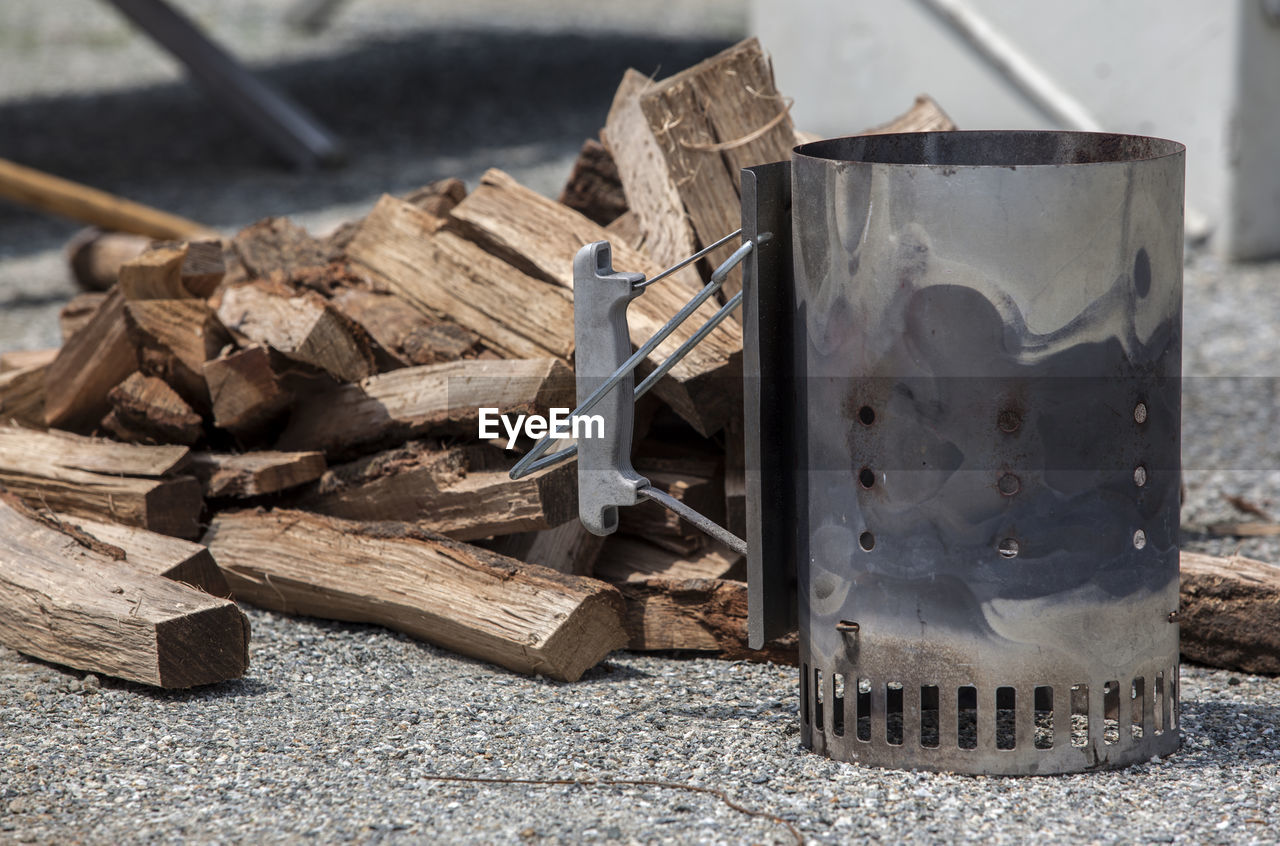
{"points": [[292, 421]]}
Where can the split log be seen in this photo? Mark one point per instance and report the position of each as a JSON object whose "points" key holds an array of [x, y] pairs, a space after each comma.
{"points": [[710, 121], [26, 359], [160, 555], [464, 493], [460, 597], [22, 396], [652, 194], [698, 615], [92, 362], [627, 229], [277, 244], [258, 473], [692, 481], [451, 279], [203, 268], [404, 334], [415, 401], [568, 548], [154, 275], [925, 115], [300, 326], [76, 313], [542, 237], [136, 485], [144, 409], [69, 603], [1230, 615], [246, 391], [627, 559], [174, 338], [594, 188], [439, 197], [96, 255]]}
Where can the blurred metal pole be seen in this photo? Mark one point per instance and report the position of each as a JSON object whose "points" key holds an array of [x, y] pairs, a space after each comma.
{"points": [[280, 122]]}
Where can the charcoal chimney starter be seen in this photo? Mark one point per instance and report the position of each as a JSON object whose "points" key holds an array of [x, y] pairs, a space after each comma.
{"points": [[962, 361]]}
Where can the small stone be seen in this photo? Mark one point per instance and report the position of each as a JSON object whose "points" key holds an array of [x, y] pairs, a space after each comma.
{"points": [[90, 684]]}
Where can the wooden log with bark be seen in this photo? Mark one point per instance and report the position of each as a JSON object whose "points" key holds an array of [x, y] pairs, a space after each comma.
{"points": [[250, 474], [154, 275], [300, 325], [594, 188], [76, 603], [160, 555], [22, 396], [1230, 614], [520, 616], [145, 410], [542, 238], [132, 484], [277, 244], [405, 336], [415, 401], [247, 390], [449, 278], [91, 362], [464, 492], [568, 548], [173, 339]]}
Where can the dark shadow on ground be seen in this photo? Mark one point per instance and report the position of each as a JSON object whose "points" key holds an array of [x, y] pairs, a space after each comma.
{"points": [[426, 105]]}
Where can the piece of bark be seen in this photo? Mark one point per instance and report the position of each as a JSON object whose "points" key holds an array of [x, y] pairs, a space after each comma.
{"points": [[698, 615], [22, 396], [405, 335], [246, 391], [77, 312], [174, 339], [710, 121], [66, 602], [414, 401], [542, 237], [520, 616], [160, 555], [692, 481], [594, 188], [154, 275], [144, 409], [651, 192], [1230, 614], [26, 359], [96, 255], [629, 559], [568, 548], [91, 362], [450, 278], [277, 244], [299, 325], [249, 474], [464, 493], [128, 483]]}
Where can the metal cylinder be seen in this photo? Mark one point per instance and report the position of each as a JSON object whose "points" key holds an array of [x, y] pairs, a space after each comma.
{"points": [[987, 341]]}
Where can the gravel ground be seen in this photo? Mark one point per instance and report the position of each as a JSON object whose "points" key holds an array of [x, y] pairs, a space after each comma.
{"points": [[337, 729]]}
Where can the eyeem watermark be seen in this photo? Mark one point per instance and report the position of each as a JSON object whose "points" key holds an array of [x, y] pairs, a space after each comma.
{"points": [[560, 424]]}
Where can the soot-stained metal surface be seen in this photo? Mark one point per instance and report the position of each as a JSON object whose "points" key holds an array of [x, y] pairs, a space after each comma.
{"points": [[987, 350]]}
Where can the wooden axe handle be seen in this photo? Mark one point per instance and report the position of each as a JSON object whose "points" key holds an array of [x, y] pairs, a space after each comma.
{"points": [[63, 197]]}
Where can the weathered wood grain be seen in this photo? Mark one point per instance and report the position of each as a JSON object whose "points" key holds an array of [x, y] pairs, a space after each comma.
{"points": [[1230, 614], [526, 618], [160, 555], [258, 473]]}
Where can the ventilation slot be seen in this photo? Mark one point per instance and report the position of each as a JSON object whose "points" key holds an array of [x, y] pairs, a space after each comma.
{"points": [[967, 717], [864, 709], [1006, 718], [929, 716], [1173, 698], [837, 704], [1158, 702], [1079, 715], [1111, 712], [818, 724], [893, 713], [1044, 717], [1137, 693]]}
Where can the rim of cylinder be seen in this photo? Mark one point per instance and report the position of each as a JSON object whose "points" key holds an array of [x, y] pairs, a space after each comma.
{"points": [[1014, 148]]}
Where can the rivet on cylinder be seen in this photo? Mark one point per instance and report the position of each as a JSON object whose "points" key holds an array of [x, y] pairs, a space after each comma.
{"points": [[1009, 484], [1140, 413]]}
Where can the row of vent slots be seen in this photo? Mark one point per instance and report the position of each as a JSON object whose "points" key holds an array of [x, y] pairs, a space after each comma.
{"points": [[1164, 711]]}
